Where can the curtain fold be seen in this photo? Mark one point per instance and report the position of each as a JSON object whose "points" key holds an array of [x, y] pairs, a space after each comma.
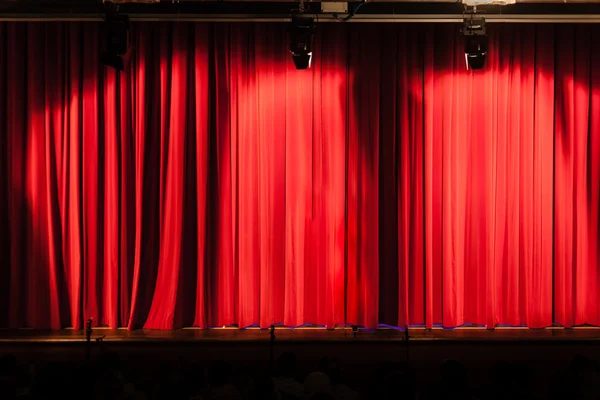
{"points": [[576, 166], [4, 221], [213, 184]]}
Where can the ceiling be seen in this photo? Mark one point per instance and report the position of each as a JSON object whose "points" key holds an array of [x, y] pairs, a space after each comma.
{"points": [[373, 10]]}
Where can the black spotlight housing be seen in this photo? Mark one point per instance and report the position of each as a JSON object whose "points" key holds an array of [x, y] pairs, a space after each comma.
{"points": [[301, 41], [476, 48], [476, 42], [117, 41]]}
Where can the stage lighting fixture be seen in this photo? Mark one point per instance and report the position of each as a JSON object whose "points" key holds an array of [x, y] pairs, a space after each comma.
{"points": [[301, 41], [476, 42], [117, 40]]}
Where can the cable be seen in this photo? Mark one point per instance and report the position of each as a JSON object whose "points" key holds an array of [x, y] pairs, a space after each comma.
{"points": [[351, 15]]}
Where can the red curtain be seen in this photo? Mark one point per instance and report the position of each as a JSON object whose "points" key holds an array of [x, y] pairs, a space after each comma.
{"points": [[212, 184]]}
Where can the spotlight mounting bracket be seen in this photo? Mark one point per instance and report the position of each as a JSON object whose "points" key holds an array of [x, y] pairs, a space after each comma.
{"points": [[474, 25]]}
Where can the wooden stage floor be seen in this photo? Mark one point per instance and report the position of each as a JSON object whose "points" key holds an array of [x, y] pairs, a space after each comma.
{"points": [[304, 335]]}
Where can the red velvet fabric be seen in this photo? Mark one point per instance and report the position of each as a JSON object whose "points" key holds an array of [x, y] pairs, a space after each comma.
{"points": [[211, 183]]}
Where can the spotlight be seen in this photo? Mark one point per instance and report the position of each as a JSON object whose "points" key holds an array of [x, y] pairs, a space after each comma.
{"points": [[301, 38], [117, 41], [476, 42]]}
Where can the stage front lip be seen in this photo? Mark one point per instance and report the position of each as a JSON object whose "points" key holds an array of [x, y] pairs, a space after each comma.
{"points": [[420, 336]]}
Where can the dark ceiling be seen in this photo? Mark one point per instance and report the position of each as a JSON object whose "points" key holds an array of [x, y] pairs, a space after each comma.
{"points": [[73, 8]]}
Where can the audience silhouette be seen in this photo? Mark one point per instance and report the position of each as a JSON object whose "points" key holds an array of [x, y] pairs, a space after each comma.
{"points": [[107, 377]]}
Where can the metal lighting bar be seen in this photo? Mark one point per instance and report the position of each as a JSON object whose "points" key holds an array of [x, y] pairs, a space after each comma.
{"points": [[359, 18]]}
